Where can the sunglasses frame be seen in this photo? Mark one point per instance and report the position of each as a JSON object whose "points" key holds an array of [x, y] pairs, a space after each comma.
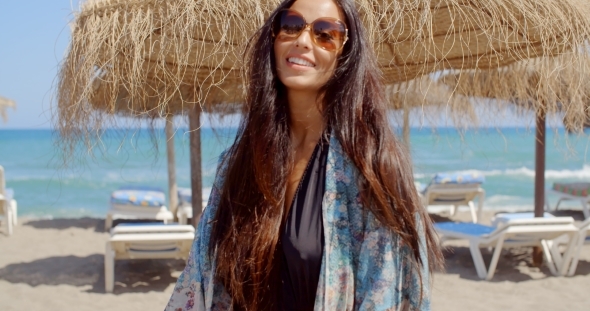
{"points": [[308, 26]]}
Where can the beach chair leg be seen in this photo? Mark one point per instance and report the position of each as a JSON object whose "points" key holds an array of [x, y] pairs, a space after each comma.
{"points": [[473, 213], [9, 220], [480, 266], [182, 219], [495, 258], [14, 213], [575, 254], [572, 248], [108, 222], [453, 210], [553, 246], [482, 196], [552, 257], [109, 269], [585, 206], [8, 216]]}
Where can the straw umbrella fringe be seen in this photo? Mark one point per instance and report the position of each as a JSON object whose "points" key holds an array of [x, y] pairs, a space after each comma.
{"points": [[5, 103]]}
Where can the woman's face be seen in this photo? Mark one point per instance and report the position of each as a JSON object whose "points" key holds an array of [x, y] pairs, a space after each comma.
{"points": [[302, 65]]}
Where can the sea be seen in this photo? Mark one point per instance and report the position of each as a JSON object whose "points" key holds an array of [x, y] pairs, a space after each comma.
{"points": [[49, 185]]}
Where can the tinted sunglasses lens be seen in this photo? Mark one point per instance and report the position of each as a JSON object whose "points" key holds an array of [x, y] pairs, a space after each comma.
{"points": [[329, 34], [290, 25]]}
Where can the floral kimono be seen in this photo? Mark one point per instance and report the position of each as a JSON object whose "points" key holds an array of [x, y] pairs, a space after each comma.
{"points": [[364, 266]]}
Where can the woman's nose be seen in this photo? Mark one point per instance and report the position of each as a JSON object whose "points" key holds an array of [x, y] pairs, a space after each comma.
{"points": [[304, 39]]}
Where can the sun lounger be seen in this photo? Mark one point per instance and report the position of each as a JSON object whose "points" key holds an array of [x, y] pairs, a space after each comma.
{"points": [[145, 241], [581, 238], [8, 206], [138, 203], [185, 205], [455, 189], [513, 233], [570, 191]]}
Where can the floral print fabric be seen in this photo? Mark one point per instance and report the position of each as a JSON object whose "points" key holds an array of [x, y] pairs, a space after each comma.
{"points": [[365, 266]]}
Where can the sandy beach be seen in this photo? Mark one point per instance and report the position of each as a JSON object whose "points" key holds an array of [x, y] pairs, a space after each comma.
{"points": [[58, 265]]}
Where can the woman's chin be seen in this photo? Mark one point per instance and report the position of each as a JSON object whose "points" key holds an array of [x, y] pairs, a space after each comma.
{"points": [[302, 84]]}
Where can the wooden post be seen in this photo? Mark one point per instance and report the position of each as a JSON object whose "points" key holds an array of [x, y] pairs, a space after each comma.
{"points": [[406, 126], [172, 188], [194, 117], [539, 177]]}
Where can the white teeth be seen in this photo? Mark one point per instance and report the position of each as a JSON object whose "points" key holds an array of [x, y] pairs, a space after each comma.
{"points": [[300, 61]]}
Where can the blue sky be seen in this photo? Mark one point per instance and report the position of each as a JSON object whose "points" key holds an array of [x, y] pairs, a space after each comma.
{"points": [[34, 36], [33, 40]]}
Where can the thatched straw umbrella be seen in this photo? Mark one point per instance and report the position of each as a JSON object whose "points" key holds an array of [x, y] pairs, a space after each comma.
{"points": [[5, 103], [547, 86], [169, 55]]}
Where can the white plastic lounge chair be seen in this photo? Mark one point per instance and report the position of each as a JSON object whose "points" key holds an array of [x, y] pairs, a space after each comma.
{"points": [[185, 205], [145, 241], [455, 189], [132, 202], [580, 239], [570, 191], [514, 233], [8, 206]]}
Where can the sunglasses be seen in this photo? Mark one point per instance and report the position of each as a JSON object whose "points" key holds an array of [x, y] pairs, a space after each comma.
{"points": [[327, 33]]}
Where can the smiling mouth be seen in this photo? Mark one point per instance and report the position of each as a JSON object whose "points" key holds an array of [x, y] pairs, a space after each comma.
{"points": [[300, 62]]}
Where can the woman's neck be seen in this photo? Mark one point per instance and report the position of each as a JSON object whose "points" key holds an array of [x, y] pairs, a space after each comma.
{"points": [[306, 120]]}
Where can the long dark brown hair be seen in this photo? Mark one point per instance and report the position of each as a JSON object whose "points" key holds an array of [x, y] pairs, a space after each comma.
{"points": [[247, 225]]}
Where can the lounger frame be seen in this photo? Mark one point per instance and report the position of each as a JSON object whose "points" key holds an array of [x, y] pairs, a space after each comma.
{"points": [[584, 201], [518, 233]]}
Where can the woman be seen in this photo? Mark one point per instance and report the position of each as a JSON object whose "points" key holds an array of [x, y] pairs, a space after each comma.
{"points": [[314, 205]]}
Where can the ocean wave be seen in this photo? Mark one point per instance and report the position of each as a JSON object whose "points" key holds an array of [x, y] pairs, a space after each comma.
{"points": [[510, 203], [583, 173], [500, 199], [24, 178]]}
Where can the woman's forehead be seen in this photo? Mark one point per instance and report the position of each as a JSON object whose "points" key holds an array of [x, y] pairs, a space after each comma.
{"points": [[314, 9]]}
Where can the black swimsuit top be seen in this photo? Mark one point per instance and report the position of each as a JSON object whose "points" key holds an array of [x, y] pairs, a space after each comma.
{"points": [[303, 237]]}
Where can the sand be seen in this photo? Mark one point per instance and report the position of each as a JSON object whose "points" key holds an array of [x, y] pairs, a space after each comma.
{"points": [[58, 265]]}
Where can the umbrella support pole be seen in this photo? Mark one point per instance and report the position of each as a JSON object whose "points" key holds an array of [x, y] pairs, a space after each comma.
{"points": [[172, 188], [541, 128], [194, 117], [406, 126]]}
